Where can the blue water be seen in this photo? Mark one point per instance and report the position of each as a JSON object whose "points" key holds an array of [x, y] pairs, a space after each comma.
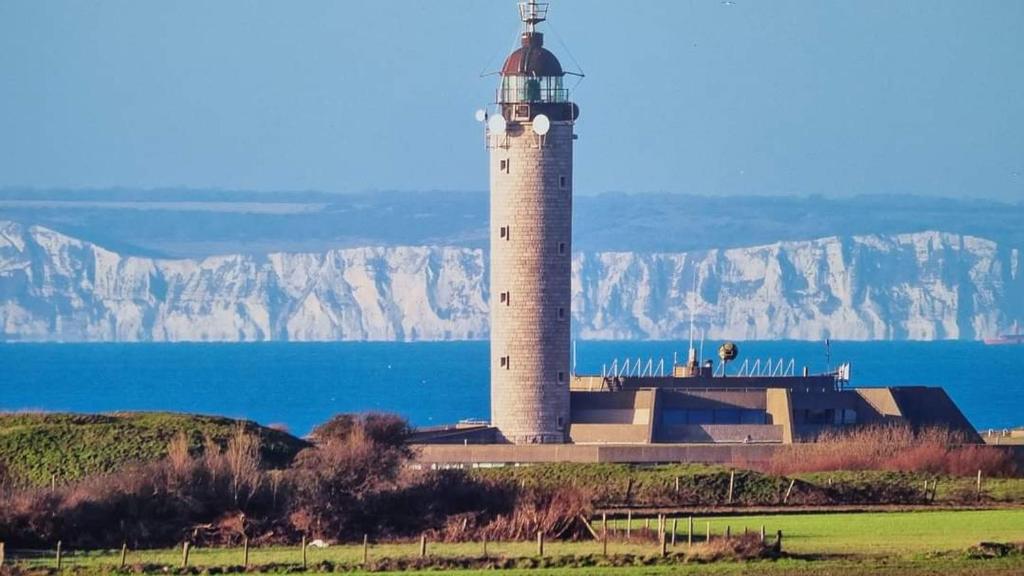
{"points": [[300, 385]]}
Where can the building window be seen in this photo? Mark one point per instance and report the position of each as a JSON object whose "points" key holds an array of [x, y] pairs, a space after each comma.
{"points": [[561, 423], [506, 298], [561, 377], [561, 313], [562, 247], [505, 166], [563, 182], [506, 362], [504, 232]]}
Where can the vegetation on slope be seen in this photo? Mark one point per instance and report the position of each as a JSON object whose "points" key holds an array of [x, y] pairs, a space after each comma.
{"points": [[38, 447]]}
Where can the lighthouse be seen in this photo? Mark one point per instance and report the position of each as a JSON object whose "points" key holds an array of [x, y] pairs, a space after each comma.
{"points": [[530, 140]]}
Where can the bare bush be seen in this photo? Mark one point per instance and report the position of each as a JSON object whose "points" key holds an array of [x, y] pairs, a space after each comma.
{"points": [[740, 547], [242, 459], [893, 448], [555, 512], [336, 482]]}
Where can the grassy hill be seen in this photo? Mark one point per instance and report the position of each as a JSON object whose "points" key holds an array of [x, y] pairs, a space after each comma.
{"points": [[36, 446]]}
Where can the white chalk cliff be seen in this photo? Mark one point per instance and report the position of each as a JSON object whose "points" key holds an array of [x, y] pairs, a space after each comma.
{"points": [[920, 286]]}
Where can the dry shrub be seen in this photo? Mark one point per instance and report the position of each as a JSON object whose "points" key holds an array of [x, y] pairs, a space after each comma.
{"points": [[739, 547], [33, 512], [893, 448], [157, 503], [556, 512], [242, 461], [338, 483]]}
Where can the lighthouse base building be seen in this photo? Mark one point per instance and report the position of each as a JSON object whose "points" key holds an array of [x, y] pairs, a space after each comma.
{"points": [[540, 410]]}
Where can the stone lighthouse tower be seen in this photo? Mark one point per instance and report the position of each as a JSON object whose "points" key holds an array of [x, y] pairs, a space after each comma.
{"points": [[530, 138]]}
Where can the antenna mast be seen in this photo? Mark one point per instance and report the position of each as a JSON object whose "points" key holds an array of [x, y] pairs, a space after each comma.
{"points": [[691, 358], [533, 13]]}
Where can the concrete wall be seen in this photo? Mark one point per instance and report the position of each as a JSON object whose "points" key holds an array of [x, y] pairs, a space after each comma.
{"points": [[720, 433], [609, 433], [432, 455], [531, 264], [712, 399], [779, 406]]}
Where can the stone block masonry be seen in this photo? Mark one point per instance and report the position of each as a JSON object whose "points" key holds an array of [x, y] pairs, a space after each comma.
{"points": [[531, 268]]}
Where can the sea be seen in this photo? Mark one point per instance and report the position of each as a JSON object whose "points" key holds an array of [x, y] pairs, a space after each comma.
{"points": [[299, 385]]}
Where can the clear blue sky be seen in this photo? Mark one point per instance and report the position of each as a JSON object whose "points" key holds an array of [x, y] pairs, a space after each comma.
{"points": [[706, 97]]}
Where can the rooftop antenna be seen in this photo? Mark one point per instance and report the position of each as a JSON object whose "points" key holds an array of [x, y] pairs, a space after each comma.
{"points": [[573, 357], [533, 13], [702, 345], [691, 359]]}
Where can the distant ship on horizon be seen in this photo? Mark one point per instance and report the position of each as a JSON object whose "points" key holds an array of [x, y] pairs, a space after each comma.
{"points": [[1015, 338]]}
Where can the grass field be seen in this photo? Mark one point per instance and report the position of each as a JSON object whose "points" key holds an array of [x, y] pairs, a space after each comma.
{"points": [[871, 534], [911, 542], [69, 447]]}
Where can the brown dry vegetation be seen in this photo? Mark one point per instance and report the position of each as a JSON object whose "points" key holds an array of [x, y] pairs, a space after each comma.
{"points": [[356, 480], [893, 448]]}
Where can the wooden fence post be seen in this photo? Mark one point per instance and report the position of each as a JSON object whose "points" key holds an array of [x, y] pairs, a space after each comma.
{"points": [[677, 484], [728, 532], [604, 523], [789, 490], [245, 551], [708, 539], [979, 485], [675, 529], [604, 537], [762, 533], [304, 564], [629, 523], [423, 545], [124, 554], [185, 548], [60, 559], [732, 483], [1, 554], [778, 542], [485, 546], [366, 549], [689, 533], [540, 543], [664, 540]]}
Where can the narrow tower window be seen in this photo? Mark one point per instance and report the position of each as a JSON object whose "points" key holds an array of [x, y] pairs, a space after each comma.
{"points": [[561, 247], [504, 232], [561, 313], [506, 362], [561, 376], [563, 182], [506, 298], [506, 166]]}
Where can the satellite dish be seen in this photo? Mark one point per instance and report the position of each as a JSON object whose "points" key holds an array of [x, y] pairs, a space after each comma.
{"points": [[481, 115], [541, 125], [497, 124]]}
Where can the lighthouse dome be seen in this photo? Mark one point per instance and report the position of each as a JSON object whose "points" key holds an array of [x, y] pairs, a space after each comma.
{"points": [[532, 59]]}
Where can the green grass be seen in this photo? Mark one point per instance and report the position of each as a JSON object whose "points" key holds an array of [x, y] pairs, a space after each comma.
{"points": [[945, 565], [871, 534], [617, 484], [36, 446], [906, 542]]}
